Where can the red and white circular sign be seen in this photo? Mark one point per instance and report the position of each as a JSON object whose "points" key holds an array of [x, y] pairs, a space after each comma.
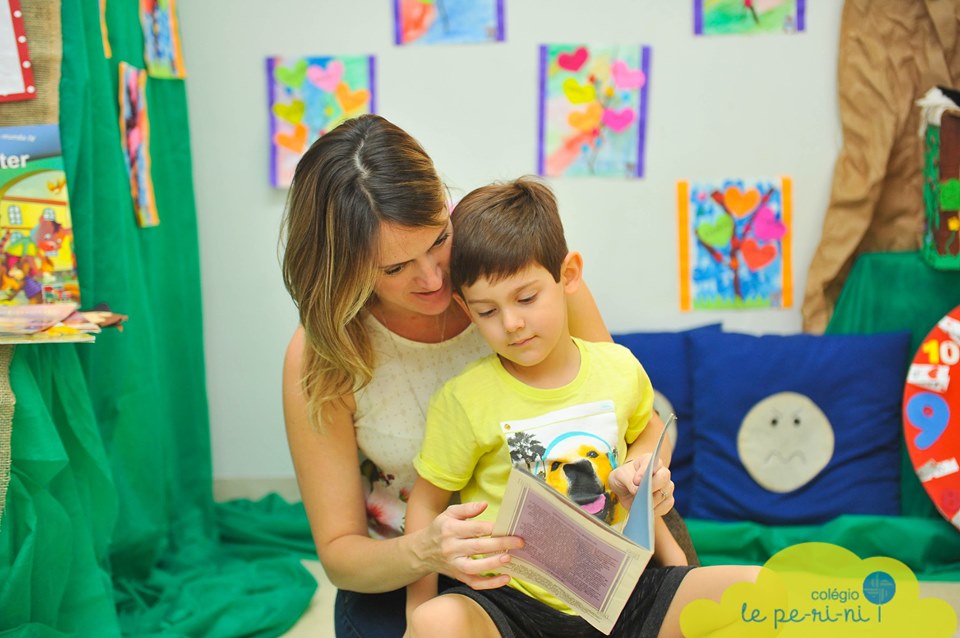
{"points": [[931, 415]]}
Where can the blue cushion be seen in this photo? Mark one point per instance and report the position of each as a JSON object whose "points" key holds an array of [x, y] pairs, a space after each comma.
{"points": [[857, 383], [666, 358]]}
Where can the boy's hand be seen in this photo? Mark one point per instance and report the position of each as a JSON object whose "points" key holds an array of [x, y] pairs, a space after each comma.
{"points": [[625, 479]]}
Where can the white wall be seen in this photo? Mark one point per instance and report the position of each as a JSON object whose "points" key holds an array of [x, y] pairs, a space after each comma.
{"points": [[720, 107]]}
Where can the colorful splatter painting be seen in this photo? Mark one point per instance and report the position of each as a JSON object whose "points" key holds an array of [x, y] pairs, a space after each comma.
{"points": [[593, 110], [161, 39], [721, 17], [135, 140], [735, 244], [309, 96], [447, 21]]}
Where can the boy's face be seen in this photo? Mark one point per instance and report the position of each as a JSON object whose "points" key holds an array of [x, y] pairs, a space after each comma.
{"points": [[524, 316]]}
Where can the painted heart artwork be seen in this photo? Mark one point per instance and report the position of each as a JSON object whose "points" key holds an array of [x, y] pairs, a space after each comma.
{"points": [[307, 97], [460, 22], [593, 110], [735, 244], [135, 142]]}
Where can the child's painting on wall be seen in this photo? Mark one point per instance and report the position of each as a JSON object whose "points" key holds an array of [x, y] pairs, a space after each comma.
{"points": [[309, 96], [448, 21], [135, 140], [593, 110], [722, 17], [735, 244], [161, 38]]}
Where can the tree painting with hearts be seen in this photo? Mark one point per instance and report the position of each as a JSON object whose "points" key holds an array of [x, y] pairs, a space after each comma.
{"points": [[593, 107], [309, 96], [735, 244]]}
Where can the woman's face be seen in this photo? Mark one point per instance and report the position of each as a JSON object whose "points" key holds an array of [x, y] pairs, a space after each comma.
{"points": [[415, 268]]}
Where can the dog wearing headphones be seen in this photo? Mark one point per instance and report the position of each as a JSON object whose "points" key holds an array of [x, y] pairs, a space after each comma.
{"points": [[581, 472]]}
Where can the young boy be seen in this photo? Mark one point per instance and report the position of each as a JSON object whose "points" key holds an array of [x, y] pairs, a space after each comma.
{"points": [[570, 411]]}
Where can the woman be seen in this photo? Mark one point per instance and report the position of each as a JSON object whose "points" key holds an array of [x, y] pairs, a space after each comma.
{"points": [[367, 237]]}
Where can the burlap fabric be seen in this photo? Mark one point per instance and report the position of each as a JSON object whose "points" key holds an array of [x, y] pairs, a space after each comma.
{"points": [[41, 20]]}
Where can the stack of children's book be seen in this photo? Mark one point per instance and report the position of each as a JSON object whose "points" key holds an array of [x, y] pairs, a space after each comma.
{"points": [[39, 289], [56, 322]]}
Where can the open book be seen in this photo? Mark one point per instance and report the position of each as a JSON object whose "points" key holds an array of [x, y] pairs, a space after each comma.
{"points": [[575, 556]]}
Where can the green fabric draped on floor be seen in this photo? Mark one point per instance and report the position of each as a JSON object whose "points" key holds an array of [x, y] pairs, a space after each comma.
{"points": [[110, 527], [886, 292]]}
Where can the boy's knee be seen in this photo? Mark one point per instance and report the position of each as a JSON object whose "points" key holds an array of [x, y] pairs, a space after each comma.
{"points": [[436, 617], [442, 617]]}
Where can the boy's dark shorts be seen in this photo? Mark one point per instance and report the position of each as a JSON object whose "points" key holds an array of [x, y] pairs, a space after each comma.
{"points": [[520, 616]]}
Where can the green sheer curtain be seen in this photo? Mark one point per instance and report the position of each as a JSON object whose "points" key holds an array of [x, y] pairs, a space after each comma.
{"points": [[110, 526], [885, 292]]}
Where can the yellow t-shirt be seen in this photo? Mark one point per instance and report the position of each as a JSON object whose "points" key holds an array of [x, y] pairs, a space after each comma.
{"points": [[484, 420]]}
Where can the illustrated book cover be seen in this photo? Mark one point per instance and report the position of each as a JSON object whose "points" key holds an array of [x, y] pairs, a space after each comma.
{"points": [[37, 261]]}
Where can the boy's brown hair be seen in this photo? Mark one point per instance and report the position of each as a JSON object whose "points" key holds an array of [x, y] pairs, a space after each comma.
{"points": [[501, 228]]}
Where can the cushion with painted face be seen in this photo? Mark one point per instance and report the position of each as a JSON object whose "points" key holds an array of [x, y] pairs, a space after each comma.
{"points": [[666, 358], [797, 429]]}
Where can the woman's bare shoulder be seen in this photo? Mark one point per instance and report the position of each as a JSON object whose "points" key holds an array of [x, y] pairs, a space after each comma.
{"points": [[294, 354], [293, 376]]}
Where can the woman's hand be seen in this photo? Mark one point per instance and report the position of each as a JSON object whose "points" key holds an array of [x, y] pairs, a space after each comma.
{"points": [[625, 480], [453, 537], [448, 536]]}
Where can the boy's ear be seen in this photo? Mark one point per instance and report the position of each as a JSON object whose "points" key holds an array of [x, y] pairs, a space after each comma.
{"points": [[571, 271], [463, 305]]}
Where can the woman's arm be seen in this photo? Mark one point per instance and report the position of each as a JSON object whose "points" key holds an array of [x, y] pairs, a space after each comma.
{"points": [[584, 316], [330, 484], [651, 434], [586, 322], [427, 501], [328, 475]]}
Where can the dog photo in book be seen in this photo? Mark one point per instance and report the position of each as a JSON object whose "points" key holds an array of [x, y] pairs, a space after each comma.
{"points": [[573, 451]]}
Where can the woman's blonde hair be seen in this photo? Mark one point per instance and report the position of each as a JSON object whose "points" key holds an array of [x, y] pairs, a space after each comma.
{"points": [[364, 172]]}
